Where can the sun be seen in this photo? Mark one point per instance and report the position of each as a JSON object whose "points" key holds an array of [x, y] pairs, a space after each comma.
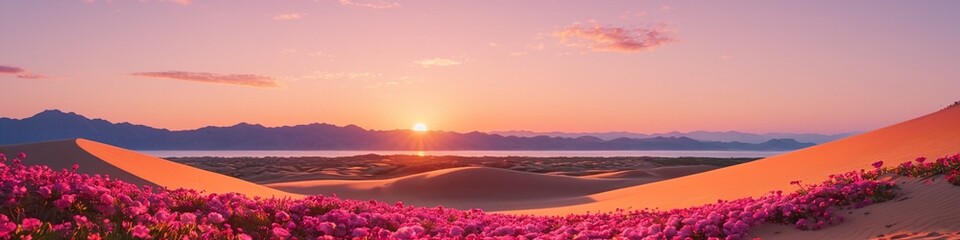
{"points": [[419, 127]]}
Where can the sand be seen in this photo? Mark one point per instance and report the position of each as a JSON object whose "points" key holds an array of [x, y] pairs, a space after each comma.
{"points": [[925, 209], [133, 167], [483, 187], [933, 135]]}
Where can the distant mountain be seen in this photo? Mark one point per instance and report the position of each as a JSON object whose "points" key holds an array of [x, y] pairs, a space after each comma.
{"points": [[55, 124], [728, 136]]}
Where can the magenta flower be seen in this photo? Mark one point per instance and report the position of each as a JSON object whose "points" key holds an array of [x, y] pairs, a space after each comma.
{"points": [[877, 164], [22, 156], [188, 218], [6, 226], [140, 232], [282, 216], [280, 232], [920, 160], [65, 201], [906, 164], [30, 224], [215, 218]]}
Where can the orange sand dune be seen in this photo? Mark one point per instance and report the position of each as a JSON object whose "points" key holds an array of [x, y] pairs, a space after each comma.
{"points": [[933, 135], [468, 187], [656, 173], [923, 210], [133, 167]]}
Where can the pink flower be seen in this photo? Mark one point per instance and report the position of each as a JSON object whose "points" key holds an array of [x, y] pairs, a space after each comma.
{"points": [[215, 217], [188, 218], [920, 160], [22, 156], [280, 232], [140, 232], [326, 227], [45, 192], [6, 227], [65, 201], [282, 216], [877, 164], [30, 224]]}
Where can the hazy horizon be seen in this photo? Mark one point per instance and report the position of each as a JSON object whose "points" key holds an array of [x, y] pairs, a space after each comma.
{"points": [[516, 132]]}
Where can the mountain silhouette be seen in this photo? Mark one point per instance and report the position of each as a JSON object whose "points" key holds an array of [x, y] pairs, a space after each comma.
{"points": [[55, 124]]}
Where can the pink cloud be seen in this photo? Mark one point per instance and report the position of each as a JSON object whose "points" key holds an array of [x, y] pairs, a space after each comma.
{"points": [[289, 16], [181, 2], [20, 73], [233, 79], [605, 38], [377, 4], [11, 70]]}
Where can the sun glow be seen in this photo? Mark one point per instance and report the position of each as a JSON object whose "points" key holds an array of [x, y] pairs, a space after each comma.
{"points": [[419, 127]]}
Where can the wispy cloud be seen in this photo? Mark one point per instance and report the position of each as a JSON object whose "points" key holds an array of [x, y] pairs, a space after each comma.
{"points": [[180, 2], [232, 79], [288, 16], [605, 38], [20, 73], [437, 62], [630, 14], [341, 75], [376, 4]]}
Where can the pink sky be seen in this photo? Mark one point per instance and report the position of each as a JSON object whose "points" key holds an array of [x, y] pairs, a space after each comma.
{"points": [[642, 66]]}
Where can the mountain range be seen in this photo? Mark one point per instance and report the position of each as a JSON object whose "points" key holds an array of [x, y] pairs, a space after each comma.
{"points": [[726, 136], [55, 124]]}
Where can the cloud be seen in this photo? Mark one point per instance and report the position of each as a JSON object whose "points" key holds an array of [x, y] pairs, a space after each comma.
{"points": [[629, 14], [376, 4], [20, 73], [181, 2], [341, 75], [288, 16], [11, 70], [233, 79], [320, 54], [437, 62], [604, 38]]}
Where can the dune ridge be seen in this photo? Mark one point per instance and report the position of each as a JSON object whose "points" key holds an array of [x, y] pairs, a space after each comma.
{"points": [[133, 167], [933, 135], [467, 187]]}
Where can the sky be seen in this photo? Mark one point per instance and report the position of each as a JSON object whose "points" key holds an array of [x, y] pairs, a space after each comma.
{"points": [[575, 66]]}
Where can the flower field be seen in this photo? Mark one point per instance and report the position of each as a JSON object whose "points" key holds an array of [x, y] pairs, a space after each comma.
{"points": [[41, 203]]}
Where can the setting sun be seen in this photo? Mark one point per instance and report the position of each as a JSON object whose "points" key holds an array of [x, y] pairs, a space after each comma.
{"points": [[419, 127]]}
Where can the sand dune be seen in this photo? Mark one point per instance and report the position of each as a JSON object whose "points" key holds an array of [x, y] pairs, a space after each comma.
{"points": [[667, 172], [468, 187], [933, 135], [133, 167], [924, 210]]}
